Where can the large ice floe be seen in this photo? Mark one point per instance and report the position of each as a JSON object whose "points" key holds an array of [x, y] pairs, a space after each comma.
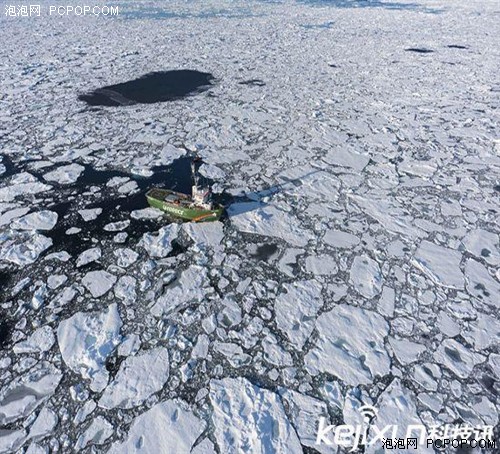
{"points": [[355, 146]]}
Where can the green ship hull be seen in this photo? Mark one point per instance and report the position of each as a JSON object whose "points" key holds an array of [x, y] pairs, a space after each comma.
{"points": [[180, 206]]}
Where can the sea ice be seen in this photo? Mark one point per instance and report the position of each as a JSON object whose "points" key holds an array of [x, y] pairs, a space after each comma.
{"points": [[65, 174], [88, 256], [457, 358], [166, 428], [350, 345], [481, 284], [247, 418], [98, 282], [99, 430], [40, 341], [132, 385], [440, 264], [23, 249], [296, 309], [366, 276], [160, 245], [87, 339], [90, 214]]}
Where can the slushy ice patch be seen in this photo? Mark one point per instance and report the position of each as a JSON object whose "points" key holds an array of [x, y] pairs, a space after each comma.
{"points": [[151, 88]]}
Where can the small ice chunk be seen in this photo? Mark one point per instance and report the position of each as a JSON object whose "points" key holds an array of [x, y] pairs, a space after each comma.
{"points": [[166, 428], [481, 284], [86, 339], [23, 249], [160, 245], [88, 256], [386, 302], [247, 418], [427, 375], [56, 280], [125, 257], [90, 214], [322, 264], [484, 245], [147, 213], [65, 174], [24, 394], [305, 412], [457, 358], [41, 340], [39, 220], [207, 234], [406, 351], [447, 325], [98, 282], [350, 345], [365, 276], [97, 433], [9, 193], [339, 239], [44, 424], [7, 217], [440, 264], [117, 226], [131, 385], [296, 310], [11, 440], [483, 332]]}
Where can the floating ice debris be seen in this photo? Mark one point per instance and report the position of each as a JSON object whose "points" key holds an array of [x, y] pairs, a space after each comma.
{"points": [[457, 358], [87, 339], [190, 288], [241, 410], [90, 214], [406, 351], [153, 87], [73, 231], [9, 215], [99, 430], [355, 359], [305, 412], [125, 257], [146, 213], [88, 256], [117, 226], [24, 394], [11, 440], [131, 385], [346, 158], [9, 193], [208, 234], [321, 265], [366, 276], [484, 245], [98, 282], [44, 424], [166, 428], [23, 249], [481, 284], [396, 407], [440, 264], [65, 174], [267, 220], [39, 220], [160, 244], [296, 310], [40, 341], [339, 239]]}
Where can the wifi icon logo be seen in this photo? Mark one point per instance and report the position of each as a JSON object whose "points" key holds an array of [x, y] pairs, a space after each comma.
{"points": [[368, 412]]}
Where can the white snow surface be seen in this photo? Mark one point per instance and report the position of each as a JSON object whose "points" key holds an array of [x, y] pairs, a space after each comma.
{"points": [[166, 428], [250, 419], [139, 376], [87, 339], [356, 359]]}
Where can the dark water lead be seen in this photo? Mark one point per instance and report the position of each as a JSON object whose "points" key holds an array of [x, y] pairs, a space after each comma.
{"points": [[419, 50], [154, 87]]}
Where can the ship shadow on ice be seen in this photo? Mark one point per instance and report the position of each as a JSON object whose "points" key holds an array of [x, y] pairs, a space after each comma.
{"points": [[151, 88]]}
